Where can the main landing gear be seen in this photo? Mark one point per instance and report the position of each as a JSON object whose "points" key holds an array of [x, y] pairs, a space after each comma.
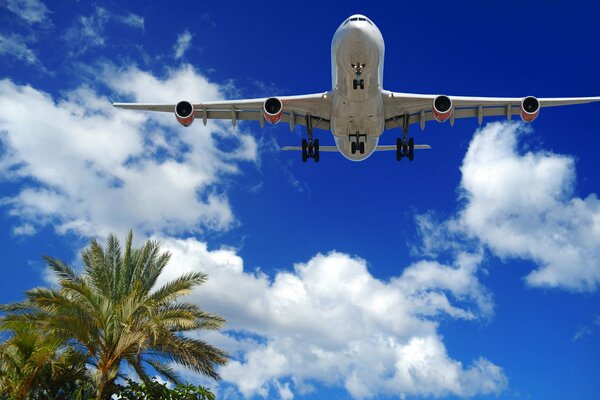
{"points": [[405, 147], [357, 144], [358, 82], [310, 148]]}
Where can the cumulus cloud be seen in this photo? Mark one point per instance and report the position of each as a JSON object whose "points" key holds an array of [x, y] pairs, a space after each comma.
{"points": [[32, 11], [330, 321], [183, 43], [521, 204], [89, 168]]}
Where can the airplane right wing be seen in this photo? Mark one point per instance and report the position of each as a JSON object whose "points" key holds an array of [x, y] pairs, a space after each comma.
{"points": [[420, 107]]}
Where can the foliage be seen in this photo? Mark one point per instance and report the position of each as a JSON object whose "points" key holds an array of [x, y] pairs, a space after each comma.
{"points": [[37, 366], [154, 390], [114, 312]]}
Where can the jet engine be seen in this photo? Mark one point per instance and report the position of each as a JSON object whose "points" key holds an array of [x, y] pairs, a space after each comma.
{"points": [[442, 108], [273, 109], [184, 112], [530, 108]]}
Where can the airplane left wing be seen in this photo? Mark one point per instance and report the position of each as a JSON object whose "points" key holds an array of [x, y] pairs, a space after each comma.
{"points": [[420, 107], [290, 109]]}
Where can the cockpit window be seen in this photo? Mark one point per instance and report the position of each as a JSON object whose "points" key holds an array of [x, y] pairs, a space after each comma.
{"points": [[358, 19]]}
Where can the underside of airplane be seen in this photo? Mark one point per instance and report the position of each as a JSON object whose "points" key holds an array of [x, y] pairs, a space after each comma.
{"points": [[357, 110]]}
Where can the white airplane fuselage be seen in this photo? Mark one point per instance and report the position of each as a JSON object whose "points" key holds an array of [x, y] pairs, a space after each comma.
{"points": [[354, 110]]}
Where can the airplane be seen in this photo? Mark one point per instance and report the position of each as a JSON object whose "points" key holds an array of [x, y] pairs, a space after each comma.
{"points": [[357, 110]]}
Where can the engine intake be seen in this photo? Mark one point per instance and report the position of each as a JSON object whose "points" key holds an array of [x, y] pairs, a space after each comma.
{"points": [[530, 108], [273, 109], [442, 108], [184, 112]]}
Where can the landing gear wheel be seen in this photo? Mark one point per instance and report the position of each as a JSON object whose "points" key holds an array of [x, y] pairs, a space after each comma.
{"points": [[304, 150], [362, 83], [316, 154], [398, 149], [411, 149], [353, 147], [361, 147], [355, 84]]}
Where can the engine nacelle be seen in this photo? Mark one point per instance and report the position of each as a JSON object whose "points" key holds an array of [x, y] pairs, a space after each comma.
{"points": [[442, 108], [273, 110], [184, 112], [530, 108]]}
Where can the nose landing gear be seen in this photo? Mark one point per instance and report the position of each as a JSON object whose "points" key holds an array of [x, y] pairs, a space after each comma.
{"points": [[358, 82]]}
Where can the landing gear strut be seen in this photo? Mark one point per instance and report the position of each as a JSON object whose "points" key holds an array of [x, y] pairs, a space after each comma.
{"points": [[357, 144], [405, 146], [310, 148], [358, 82]]}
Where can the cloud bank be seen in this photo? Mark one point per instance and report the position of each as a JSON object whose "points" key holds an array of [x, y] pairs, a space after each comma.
{"points": [[329, 321], [86, 167], [521, 205]]}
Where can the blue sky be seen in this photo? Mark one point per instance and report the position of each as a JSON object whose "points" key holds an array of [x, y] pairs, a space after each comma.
{"points": [[471, 272]]}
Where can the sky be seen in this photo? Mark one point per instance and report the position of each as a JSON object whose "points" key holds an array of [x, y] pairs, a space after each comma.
{"points": [[472, 272]]}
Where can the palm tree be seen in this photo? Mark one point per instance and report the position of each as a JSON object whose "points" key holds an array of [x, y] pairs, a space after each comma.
{"points": [[34, 365], [113, 313]]}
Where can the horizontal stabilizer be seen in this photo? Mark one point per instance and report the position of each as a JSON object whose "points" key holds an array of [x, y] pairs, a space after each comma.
{"points": [[330, 149], [334, 149], [392, 147]]}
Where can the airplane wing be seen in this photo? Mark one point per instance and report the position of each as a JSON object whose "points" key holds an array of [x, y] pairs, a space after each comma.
{"points": [[419, 107], [295, 108]]}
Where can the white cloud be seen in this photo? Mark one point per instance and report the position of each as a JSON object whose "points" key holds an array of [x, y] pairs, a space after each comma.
{"points": [[16, 46], [521, 205], [32, 11], [132, 20], [89, 31], [330, 321], [183, 43], [24, 230], [92, 169]]}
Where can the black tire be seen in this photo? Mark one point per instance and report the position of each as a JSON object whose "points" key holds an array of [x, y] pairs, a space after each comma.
{"points": [[316, 146], [361, 147], [353, 147], [317, 156], [411, 143], [411, 155], [398, 144], [355, 84], [362, 83], [304, 150]]}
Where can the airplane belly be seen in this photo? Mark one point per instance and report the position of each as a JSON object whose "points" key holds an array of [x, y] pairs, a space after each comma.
{"points": [[344, 146], [350, 117]]}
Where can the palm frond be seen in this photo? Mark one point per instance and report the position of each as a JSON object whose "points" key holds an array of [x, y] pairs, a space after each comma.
{"points": [[165, 370], [178, 287]]}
